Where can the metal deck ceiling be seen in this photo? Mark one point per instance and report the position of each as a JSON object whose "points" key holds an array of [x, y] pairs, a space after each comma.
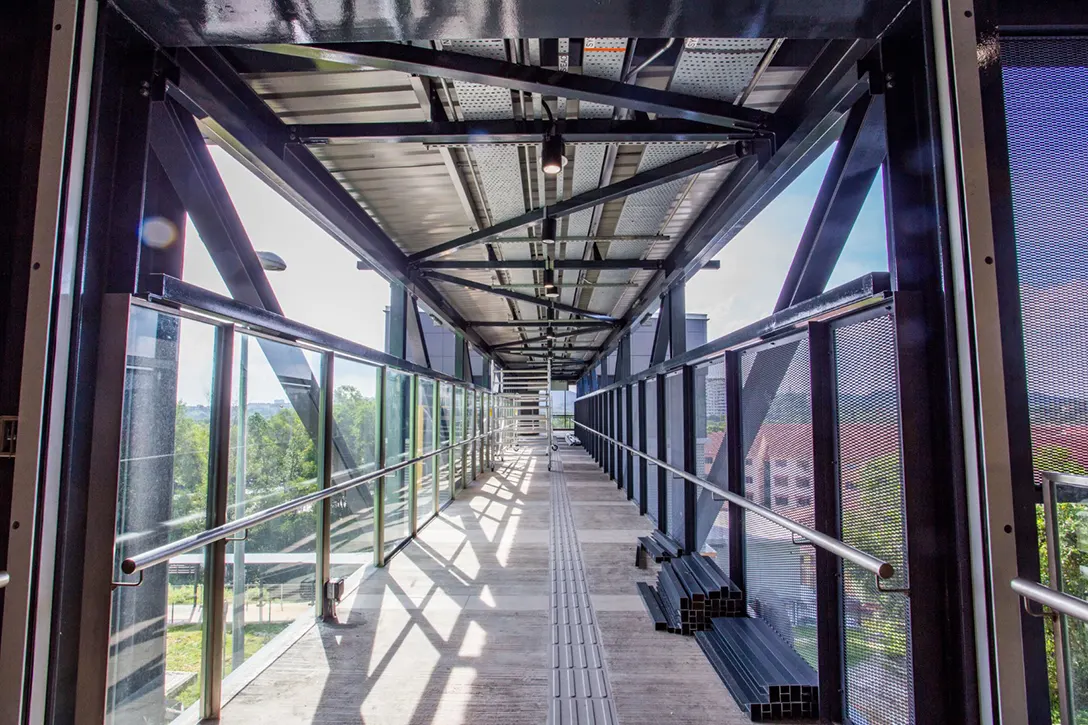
{"points": [[426, 195]]}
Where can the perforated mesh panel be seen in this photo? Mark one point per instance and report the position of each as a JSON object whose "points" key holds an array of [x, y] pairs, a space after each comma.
{"points": [[651, 448], [777, 426], [712, 529], [1046, 113], [1046, 107], [876, 626]]}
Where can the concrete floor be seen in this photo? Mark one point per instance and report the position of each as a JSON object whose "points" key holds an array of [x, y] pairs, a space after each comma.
{"points": [[456, 629]]}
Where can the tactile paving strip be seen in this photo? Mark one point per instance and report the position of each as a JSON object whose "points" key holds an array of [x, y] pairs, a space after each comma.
{"points": [[580, 691]]}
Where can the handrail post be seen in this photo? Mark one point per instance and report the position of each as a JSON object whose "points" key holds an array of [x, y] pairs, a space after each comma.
{"points": [[325, 609], [829, 624], [379, 483], [1061, 631], [212, 624]]}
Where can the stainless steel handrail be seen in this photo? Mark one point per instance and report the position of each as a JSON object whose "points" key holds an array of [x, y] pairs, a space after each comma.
{"points": [[163, 553], [882, 569], [1058, 601], [1066, 479], [5, 579]]}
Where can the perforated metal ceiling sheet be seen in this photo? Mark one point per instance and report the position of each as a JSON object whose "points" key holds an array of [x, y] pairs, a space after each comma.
{"points": [[719, 68]]}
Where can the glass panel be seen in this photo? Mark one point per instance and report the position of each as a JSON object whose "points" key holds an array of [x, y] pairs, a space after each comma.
{"points": [[355, 412], [162, 496], [1071, 525], [278, 585], [425, 425], [445, 435], [321, 284], [712, 527], [754, 263], [275, 414], [398, 448], [458, 436], [866, 249]]}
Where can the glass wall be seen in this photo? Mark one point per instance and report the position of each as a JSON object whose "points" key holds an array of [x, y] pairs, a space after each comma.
{"points": [[162, 497], [674, 409], [458, 436], [356, 415], [651, 449], [712, 527], [398, 449], [271, 573], [445, 438], [426, 430]]}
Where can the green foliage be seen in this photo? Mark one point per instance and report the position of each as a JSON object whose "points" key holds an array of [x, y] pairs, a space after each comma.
{"points": [[1072, 541]]}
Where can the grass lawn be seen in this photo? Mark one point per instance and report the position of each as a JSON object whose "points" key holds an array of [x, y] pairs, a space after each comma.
{"points": [[183, 651]]}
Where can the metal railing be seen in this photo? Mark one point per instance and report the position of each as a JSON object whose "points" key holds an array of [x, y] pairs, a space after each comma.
{"points": [[158, 555], [1060, 603], [881, 569]]}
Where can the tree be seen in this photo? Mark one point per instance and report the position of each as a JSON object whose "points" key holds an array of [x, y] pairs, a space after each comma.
{"points": [[1071, 520]]}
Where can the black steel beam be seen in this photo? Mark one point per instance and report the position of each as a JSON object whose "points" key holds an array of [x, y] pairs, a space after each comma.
{"points": [[509, 131], [207, 85], [530, 299], [854, 166], [184, 156], [554, 335], [662, 333], [529, 79], [802, 124], [614, 264], [683, 168], [538, 323], [533, 350]]}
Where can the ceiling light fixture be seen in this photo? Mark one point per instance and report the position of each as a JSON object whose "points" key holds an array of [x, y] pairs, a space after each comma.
{"points": [[550, 288], [547, 230], [552, 153]]}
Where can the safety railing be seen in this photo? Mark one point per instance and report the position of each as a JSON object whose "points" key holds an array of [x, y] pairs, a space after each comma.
{"points": [[1065, 512], [881, 569], [263, 468], [136, 564]]}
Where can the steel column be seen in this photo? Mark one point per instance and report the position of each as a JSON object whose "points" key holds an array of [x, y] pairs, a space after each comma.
{"points": [[689, 432], [379, 483], [643, 445], [661, 401], [324, 608], [735, 450], [215, 569], [827, 518], [629, 417]]}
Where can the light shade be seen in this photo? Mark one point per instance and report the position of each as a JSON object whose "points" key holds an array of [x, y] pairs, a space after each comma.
{"points": [[547, 230], [550, 289], [553, 158]]}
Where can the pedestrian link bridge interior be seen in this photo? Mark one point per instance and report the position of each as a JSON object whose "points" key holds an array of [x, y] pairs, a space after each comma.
{"points": [[500, 362]]}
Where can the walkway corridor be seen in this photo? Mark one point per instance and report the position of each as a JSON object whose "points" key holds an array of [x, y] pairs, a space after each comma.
{"points": [[460, 627]]}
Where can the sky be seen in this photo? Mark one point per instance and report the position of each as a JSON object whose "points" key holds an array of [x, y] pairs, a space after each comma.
{"points": [[322, 287]]}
